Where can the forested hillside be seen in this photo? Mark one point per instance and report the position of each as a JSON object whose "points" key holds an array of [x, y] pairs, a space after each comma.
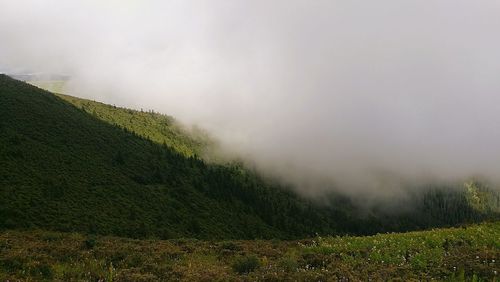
{"points": [[75, 165], [64, 169]]}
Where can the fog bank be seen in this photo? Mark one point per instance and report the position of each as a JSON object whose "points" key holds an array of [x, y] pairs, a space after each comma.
{"points": [[358, 96]]}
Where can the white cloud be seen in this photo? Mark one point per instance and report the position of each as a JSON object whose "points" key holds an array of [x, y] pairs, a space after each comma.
{"points": [[364, 95]]}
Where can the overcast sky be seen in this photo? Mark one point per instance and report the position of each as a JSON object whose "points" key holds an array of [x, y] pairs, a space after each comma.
{"points": [[358, 95]]}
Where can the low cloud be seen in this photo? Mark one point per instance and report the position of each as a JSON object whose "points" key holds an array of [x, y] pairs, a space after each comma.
{"points": [[356, 96]]}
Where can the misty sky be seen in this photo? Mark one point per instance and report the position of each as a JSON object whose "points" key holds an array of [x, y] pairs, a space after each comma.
{"points": [[362, 96]]}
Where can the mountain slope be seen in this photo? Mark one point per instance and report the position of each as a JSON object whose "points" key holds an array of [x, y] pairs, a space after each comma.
{"points": [[88, 167], [67, 170], [159, 128]]}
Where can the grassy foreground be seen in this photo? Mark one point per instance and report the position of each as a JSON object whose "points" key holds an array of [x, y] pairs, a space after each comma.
{"points": [[456, 254]]}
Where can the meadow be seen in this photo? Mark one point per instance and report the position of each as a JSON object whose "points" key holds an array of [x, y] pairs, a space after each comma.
{"points": [[468, 253]]}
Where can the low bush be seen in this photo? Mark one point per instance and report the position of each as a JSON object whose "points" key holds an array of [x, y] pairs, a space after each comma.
{"points": [[89, 243], [246, 264]]}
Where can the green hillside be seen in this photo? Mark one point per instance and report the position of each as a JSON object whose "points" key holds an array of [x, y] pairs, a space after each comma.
{"points": [[70, 164], [459, 254], [64, 169], [159, 128]]}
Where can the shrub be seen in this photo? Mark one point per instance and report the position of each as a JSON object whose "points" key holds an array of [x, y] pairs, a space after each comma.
{"points": [[231, 246], [89, 243], [288, 263], [44, 270], [246, 264], [51, 236]]}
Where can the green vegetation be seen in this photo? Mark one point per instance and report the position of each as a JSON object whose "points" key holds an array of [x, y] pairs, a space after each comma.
{"points": [[63, 169], [246, 264], [457, 254], [156, 127], [74, 165]]}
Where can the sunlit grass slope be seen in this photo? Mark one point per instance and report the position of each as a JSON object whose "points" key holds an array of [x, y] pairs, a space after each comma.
{"points": [[456, 254], [159, 128]]}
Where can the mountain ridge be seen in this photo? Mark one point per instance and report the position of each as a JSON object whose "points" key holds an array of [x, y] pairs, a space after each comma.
{"points": [[70, 164]]}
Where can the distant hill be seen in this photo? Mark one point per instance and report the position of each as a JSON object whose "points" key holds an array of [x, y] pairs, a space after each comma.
{"points": [[28, 77], [70, 164]]}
